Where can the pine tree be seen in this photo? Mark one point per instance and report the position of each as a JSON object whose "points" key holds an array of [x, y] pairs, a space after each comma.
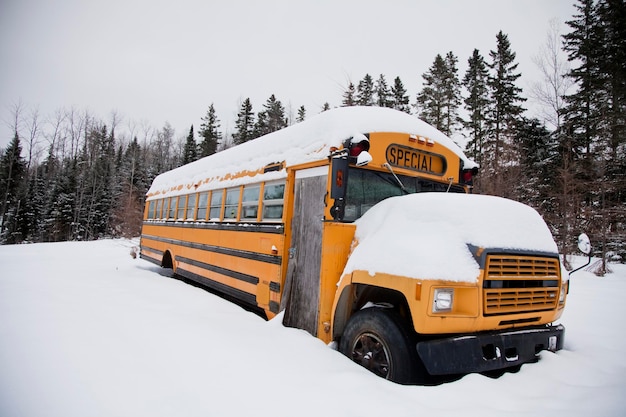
{"points": [[476, 104], [582, 110], [365, 91], [452, 95], [348, 97], [504, 114], [244, 126], [129, 201], [612, 18], [261, 126], [95, 212], [12, 174], [595, 118], [538, 164], [399, 97], [209, 133], [431, 100], [190, 151], [301, 114], [64, 221], [274, 116], [381, 90]]}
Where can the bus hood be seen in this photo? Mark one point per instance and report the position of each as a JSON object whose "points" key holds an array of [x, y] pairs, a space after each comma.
{"points": [[426, 235]]}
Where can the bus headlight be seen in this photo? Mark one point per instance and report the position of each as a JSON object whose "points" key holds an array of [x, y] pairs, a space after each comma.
{"points": [[442, 300]]}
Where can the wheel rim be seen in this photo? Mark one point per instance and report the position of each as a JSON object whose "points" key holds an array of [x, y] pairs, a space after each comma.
{"points": [[370, 352]]}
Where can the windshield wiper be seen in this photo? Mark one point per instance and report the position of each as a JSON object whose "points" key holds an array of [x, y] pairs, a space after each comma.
{"points": [[386, 165]]}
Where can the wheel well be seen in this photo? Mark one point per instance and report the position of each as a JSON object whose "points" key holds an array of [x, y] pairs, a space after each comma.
{"points": [[166, 262], [354, 297]]}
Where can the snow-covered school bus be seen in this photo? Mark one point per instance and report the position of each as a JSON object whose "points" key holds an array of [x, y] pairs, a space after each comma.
{"points": [[358, 225]]}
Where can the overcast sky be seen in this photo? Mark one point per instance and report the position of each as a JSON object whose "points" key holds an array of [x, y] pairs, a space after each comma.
{"points": [[166, 61]]}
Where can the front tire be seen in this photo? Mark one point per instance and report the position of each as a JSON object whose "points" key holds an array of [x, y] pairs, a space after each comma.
{"points": [[377, 339]]}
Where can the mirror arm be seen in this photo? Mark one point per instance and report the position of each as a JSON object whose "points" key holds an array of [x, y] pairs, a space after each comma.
{"points": [[582, 266]]}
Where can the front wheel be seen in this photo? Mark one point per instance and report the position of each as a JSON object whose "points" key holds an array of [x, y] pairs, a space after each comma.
{"points": [[376, 339]]}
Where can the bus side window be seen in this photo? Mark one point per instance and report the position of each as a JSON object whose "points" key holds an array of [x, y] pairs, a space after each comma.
{"points": [[203, 200], [180, 214], [231, 204], [191, 206], [216, 205], [159, 204], [250, 202], [273, 195], [151, 206], [171, 208]]}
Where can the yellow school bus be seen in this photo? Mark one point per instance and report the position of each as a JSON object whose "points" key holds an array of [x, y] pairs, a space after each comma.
{"points": [[359, 226]]}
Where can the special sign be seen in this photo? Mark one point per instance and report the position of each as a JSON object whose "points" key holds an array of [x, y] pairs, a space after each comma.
{"points": [[409, 158]]}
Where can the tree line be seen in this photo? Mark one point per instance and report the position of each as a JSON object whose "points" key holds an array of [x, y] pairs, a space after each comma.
{"points": [[569, 163]]}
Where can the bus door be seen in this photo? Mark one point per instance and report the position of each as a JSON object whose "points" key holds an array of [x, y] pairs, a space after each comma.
{"points": [[302, 284]]}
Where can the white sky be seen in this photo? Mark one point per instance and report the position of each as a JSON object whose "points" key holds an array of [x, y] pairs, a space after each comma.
{"points": [[159, 61]]}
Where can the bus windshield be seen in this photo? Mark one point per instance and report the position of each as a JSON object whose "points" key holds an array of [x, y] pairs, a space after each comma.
{"points": [[365, 188]]}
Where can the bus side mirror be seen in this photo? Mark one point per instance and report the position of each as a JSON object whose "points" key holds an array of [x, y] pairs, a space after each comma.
{"points": [[584, 244], [338, 184]]}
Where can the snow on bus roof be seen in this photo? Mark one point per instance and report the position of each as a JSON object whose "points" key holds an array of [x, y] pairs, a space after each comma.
{"points": [[427, 234], [304, 142]]}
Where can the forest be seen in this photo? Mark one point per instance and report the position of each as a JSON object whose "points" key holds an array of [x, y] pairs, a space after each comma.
{"points": [[68, 176]]}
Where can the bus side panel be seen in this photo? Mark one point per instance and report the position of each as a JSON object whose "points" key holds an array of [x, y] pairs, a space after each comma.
{"points": [[241, 263], [336, 246], [302, 284]]}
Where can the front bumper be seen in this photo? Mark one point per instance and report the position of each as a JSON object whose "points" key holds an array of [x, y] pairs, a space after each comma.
{"points": [[488, 351]]}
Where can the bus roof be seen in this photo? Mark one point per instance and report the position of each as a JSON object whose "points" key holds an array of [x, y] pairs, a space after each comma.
{"points": [[304, 142]]}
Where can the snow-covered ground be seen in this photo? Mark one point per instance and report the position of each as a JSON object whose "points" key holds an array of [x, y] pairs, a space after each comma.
{"points": [[85, 330]]}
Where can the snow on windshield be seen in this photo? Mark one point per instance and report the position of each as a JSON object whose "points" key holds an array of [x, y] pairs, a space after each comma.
{"points": [[307, 141], [426, 235]]}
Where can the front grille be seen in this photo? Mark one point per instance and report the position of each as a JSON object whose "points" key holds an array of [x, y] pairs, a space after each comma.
{"points": [[520, 284]]}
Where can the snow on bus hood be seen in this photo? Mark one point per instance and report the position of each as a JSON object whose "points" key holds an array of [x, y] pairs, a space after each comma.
{"points": [[426, 235]]}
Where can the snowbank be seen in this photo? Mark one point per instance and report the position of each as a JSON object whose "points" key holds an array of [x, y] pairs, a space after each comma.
{"points": [[85, 330], [307, 141], [426, 234]]}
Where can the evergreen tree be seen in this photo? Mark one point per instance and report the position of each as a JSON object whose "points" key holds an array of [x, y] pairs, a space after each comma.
{"points": [[399, 97], [244, 126], [301, 114], [365, 91], [133, 186], [67, 201], [190, 152], [94, 214], [209, 133], [34, 214], [452, 95], [612, 18], [261, 126], [538, 164], [431, 100], [504, 114], [348, 97], [383, 95], [12, 174], [582, 110], [476, 104], [595, 119], [272, 118]]}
